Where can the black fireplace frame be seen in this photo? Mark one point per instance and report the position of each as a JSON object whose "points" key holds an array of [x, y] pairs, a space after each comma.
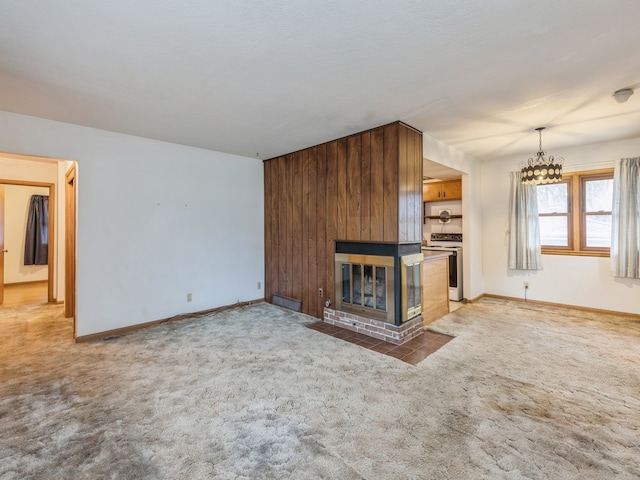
{"points": [[395, 250]]}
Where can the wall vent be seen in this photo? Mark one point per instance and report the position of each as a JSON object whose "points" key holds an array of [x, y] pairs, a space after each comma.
{"points": [[286, 302]]}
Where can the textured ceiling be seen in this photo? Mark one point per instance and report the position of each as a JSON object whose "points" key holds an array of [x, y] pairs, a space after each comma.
{"points": [[266, 78]]}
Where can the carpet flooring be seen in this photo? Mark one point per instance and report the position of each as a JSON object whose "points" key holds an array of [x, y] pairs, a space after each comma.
{"points": [[521, 392]]}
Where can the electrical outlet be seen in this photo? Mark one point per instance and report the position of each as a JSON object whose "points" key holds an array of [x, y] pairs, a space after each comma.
{"points": [[188, 297], [259, 285], [321, 292]]}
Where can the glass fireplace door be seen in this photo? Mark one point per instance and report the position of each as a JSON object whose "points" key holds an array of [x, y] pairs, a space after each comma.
{"points": [[411, 274], [364, 285]]}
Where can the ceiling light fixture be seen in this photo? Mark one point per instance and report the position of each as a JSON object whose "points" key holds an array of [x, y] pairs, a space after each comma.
{"points": [[540, 170], [622, 95]]}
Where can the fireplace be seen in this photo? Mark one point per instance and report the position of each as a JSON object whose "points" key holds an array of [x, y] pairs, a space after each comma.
{"points": [[362, 286], [378, 281]]}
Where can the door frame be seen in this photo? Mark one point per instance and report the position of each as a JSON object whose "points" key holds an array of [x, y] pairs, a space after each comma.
{"points": [[52, 225], [70, 218]]}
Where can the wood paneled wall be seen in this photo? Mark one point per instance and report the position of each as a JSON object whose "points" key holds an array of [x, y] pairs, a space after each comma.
{"points": [[366, 187]]}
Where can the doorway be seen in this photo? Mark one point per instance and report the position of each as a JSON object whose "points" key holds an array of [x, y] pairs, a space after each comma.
{"points": [[26, 282], [58, 178]]}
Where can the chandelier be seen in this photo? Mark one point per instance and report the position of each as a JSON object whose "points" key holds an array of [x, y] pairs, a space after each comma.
{"points": [[540, 170]]}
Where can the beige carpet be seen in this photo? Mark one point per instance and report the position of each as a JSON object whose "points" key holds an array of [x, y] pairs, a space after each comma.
{"points": [[521, 392]]}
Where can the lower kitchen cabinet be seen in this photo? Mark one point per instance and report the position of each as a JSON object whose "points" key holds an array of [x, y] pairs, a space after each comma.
{"points": [[435, 286]]}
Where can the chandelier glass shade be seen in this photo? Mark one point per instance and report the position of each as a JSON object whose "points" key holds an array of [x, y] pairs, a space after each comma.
{"points": [[541, 170]]}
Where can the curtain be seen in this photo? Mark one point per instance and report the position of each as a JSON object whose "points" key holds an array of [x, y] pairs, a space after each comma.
{"points": [[36, 244], [524, 229], [625, 219]]}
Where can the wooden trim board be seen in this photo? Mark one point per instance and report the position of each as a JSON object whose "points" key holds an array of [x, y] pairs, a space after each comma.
{"points": [[17, 284], [634, 316]]}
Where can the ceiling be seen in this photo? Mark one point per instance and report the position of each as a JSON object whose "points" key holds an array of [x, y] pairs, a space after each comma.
{"points": [[265, 78]]}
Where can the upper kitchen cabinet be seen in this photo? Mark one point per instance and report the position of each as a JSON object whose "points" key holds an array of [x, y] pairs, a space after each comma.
{"points": [[440, 191]]}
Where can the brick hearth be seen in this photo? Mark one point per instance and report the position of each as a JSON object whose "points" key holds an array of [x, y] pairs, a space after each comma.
{"points": [[375, 328]]}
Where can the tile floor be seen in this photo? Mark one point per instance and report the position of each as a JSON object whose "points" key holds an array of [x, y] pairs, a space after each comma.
{"points": [[413, 351]]}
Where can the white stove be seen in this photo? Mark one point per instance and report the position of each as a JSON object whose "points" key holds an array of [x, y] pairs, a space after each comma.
{"points": [[451, 242]]}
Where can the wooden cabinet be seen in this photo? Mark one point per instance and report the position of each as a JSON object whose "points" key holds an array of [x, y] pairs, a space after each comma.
{"points": [[431, 191], [452, 190], [435, 288], [439, 191]]}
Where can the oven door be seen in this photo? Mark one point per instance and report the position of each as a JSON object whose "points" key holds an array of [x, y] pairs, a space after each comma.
{"points": [[453, 269], [455, 275]]}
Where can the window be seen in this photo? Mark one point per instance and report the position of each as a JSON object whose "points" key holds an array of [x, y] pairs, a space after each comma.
{"points": [[575, 214], [554, 209]]}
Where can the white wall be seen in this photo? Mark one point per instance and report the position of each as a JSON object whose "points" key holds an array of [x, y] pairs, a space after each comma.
{"points": [[155, 221], [436, 151], [570, 280], [440, 152], [433, 225], [16, 209], [472, 220]]}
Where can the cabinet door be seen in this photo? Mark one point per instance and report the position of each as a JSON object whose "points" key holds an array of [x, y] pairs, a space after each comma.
{"points": [[435, 289], [431, 192], [452, 190]]}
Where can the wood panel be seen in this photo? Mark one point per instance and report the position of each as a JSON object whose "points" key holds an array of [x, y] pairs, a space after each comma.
{"points": [[331, 199], [321, 219], [342, 188], [307, 219], [312, 285], [410, 185], [377, 184], [418, 211], [272, 275], [390, 184], [282, 225], [411, 179], [289, 204], [347, 189], [365, 191], [403, 186], [354, 187], [296, 225]]}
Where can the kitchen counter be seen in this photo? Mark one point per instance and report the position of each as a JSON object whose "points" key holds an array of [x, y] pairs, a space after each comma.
{"points": [[434, 254]]}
